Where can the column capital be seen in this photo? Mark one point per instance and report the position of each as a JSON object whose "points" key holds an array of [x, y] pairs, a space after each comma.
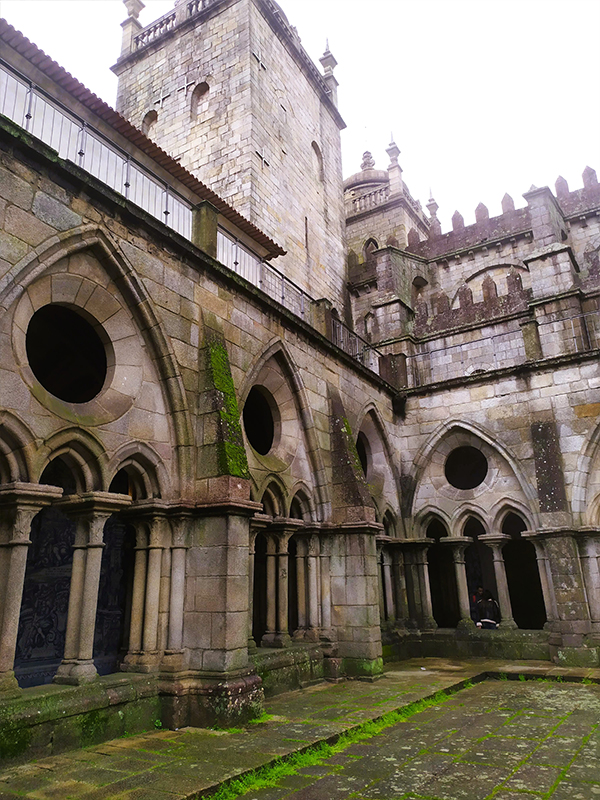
{"points": [[494, 539], [28, 495], [101, 504]]}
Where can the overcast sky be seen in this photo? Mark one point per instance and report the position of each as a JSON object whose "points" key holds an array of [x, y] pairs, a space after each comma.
{"points": [[483, 97]]}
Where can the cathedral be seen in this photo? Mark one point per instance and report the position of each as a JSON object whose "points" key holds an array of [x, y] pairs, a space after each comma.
{"points": [[261, 425]]}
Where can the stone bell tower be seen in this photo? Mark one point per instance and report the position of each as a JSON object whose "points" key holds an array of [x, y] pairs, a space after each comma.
{"points": [[226, 87]]}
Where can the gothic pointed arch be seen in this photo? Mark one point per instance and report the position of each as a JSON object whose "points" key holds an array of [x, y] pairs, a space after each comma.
{"points": [[463, 514], [118, 260], [278, 378], [507, 506], [17, 446], [453, 434], [426, 516], [301, 504], [143, 470], [79, 452], [381, 471], [586, 481]]}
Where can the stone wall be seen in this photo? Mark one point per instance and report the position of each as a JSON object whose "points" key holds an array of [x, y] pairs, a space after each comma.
{"points": [[263, 136]]}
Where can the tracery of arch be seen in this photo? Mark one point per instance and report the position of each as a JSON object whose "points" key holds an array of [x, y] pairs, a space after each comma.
{"points": [[65, 498], [288, 479], [79, 594], [466, 488], [285, 595], [74, 273]]}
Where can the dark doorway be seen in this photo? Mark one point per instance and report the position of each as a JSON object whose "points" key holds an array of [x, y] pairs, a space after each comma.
{"points": [[43, 620], [292, 586], [479, 561], [442, 578], [523, 577], [113, 615], [259, 603]]}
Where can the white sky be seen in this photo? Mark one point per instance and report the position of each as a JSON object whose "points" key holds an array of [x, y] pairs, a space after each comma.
{"points": [[483, 96]]}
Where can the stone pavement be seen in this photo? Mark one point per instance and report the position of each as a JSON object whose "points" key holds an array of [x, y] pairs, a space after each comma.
{"points": [[511, 740]]}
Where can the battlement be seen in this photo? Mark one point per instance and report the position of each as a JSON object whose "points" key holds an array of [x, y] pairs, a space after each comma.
{"points": [[576, 205]]}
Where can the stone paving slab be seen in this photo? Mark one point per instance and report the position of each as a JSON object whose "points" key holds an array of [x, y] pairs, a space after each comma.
{"points": [[500, 737]]}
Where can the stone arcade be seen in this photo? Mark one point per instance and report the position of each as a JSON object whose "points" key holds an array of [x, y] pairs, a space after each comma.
{"points": [[233, 460]]}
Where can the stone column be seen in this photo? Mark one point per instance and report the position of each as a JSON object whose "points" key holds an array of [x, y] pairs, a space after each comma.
{"points": [[269, 638], [313, 593], [301, 579], [283, 636], [19, 503], [570, 642], [139, 589], [158, 540], [427, 622], [459, 544], [90, 512], [589, 553], [251, 553], [496, 541], [173, 657], [380, 586], [545, 578], [398, 572], [388, 587], [325, 590]]}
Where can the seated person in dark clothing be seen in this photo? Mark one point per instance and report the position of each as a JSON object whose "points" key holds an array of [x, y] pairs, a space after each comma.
{"points": [[487, 612]]}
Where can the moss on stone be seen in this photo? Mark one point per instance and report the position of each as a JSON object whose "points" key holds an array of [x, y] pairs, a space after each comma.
{"points": [[14, 741], [93, 727], [231, 451]]}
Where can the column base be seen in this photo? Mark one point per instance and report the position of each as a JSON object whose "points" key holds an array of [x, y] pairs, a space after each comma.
{"points": [[276, 640], [466, 625], [508, 624], [173, 661], [76, 672], [142, 661], [203, 699], [9, 686]]}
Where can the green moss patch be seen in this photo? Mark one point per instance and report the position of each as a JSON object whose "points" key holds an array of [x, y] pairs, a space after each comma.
{"points": [[231, 452]]}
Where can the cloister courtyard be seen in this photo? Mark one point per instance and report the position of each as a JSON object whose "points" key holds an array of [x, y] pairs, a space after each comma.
{"points": [[429, 729]]}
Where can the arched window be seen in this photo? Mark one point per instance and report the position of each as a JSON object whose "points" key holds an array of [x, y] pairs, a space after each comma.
{"points": [[479, 561], [149, 123], [369, 248], [522, 576], [318, 160], [442, 577], [198, 98]]}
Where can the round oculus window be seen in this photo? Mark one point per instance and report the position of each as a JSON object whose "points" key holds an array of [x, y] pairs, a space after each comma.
{"points": [[66, 354], [466, 468], [259, 423]]}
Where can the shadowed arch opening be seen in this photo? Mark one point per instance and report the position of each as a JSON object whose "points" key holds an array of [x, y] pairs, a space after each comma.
{"points": [[199, 95], [44, 605], [272, 501], [115, 592], [479, 561], [259, 604], [60, 473], [523, 576], [149, 123], [442, 577]]}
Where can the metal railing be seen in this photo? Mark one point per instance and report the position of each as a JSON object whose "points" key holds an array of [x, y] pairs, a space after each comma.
{"points": [[74, 140], [240, 259]]}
